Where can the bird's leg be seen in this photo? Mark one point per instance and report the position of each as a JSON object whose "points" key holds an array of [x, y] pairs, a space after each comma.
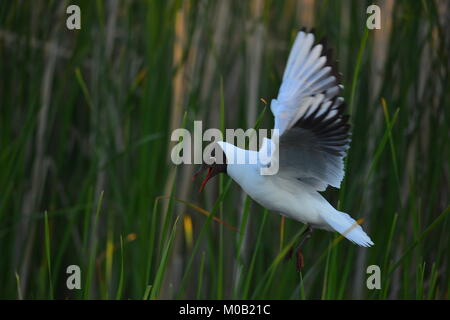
{"points": [[300, 259], [306, 233], [289, 254]]}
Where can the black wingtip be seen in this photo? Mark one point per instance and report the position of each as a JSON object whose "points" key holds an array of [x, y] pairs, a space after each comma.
{"points": [[327, 53]]}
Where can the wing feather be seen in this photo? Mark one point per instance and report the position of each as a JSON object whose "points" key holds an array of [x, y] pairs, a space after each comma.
{"points": [[314, 133]]}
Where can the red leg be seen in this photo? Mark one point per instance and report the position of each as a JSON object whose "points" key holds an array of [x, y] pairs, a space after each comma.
{"points": [[300, 263], [300, 260]]}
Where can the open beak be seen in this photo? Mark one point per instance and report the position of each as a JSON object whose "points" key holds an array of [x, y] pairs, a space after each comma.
{"points": [[208, 176]]}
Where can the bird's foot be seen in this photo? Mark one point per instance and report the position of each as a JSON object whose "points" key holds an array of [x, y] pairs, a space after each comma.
{"points": [[288, 255], [300, 262]]}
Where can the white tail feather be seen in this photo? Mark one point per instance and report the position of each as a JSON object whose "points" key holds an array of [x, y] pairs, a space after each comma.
{"points": [[348, 227]]}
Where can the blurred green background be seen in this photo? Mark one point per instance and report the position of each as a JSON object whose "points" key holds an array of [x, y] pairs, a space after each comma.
{"points": [[85, 123]]}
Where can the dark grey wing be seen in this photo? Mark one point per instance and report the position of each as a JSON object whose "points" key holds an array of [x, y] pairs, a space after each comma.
{"points": [[312, 150]]}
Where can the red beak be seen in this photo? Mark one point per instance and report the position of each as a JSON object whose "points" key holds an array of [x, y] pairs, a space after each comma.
{"points": [[208, 176]]}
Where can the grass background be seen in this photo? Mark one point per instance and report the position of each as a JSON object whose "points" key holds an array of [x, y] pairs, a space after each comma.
{"points": [[85, 124]]}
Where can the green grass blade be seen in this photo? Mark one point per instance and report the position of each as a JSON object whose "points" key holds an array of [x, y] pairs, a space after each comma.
{"points": [[121, 276], [48, 254], [163, 263]]}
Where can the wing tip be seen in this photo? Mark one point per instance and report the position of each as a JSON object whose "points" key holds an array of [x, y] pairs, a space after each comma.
{"points": [[328, 53]]}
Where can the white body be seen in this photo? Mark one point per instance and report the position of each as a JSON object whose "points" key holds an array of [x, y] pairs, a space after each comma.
{"points": [[291, 198]]}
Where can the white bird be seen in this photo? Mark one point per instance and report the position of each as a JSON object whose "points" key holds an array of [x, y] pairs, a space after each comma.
{"points": [[313, 137]]}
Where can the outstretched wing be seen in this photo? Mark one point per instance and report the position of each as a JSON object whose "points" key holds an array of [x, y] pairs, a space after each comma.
{"points": [[313, 131]]}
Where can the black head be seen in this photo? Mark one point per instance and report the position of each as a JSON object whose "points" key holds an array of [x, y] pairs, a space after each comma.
{"points": [[214, 166]]}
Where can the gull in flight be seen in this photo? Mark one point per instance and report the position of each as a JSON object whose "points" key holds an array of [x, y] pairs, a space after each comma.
{"points": [[312, 138]]}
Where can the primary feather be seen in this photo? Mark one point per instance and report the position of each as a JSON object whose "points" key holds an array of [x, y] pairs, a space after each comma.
{"points": [[314, 133]]}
